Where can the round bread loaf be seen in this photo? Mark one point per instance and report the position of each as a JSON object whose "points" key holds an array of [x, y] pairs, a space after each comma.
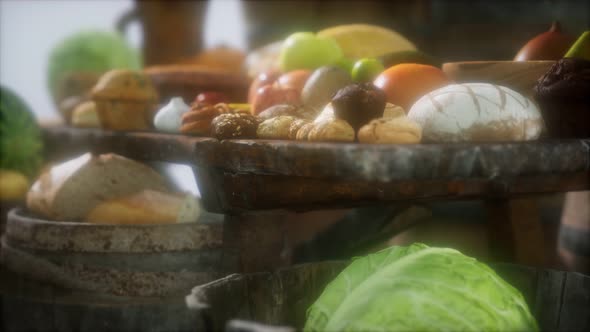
{"points": [[476, 112]]}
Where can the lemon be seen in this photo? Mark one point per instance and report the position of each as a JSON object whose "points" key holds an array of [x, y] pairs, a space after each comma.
{"points": [[367, 41], [13, 185]]}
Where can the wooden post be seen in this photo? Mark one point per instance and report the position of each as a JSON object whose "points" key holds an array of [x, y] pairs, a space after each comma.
{"points": [[259, 239], [515, 233]]}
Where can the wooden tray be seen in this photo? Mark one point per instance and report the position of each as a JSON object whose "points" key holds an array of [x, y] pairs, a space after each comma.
{"points": [[249, 175]]}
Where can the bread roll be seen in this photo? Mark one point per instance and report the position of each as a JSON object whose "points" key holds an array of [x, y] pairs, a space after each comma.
{"points": [[331, 130], [476, 112], [85, 115], [397, 130], [146, 207], [70, 190], [275, 128]]}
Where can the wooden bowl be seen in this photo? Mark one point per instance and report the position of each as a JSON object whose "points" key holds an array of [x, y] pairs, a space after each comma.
{"points": [[517, 75], [187, 81]]}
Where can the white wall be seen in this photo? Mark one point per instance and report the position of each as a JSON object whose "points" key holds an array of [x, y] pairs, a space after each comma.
{"points": [[30, 28]]}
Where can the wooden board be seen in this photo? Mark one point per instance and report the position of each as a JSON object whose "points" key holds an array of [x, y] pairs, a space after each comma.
{"points": [[240, 175]]}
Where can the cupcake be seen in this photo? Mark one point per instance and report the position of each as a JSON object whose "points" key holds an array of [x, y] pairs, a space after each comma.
{"points": [[125, 100], [563, 93]]}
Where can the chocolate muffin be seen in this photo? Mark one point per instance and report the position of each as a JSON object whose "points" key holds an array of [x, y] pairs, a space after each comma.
{"points": [[359, 103], [563, 95]]}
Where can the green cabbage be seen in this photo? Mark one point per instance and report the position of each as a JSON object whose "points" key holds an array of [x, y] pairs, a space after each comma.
{"points": [[418, 288], [20, 137], [91, 52]]}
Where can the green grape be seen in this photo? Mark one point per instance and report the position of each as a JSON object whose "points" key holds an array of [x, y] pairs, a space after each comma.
{"points": [[366, 69]]}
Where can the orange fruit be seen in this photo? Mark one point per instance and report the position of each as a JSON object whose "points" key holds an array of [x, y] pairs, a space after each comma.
{"points": [[405, 83]]}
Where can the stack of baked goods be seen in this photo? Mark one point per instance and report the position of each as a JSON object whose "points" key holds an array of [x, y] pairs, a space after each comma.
{"points": [[342, 85], [109, 189]]}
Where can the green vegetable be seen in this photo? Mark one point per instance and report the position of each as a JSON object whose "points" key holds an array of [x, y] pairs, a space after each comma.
{"points": [[20, 137], [90, 52], [418, 288]]}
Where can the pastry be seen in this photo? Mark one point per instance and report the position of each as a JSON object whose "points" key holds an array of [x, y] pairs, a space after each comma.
{"points": [[397, 130], [276, 128], [146, 207], [296, 126], [476, 112], [234, 125], [303, 132], [85, 115], [198, 120], [278, 110], [125, 100], [70, 190], [332, 130], [358, 104], [392, 111]]}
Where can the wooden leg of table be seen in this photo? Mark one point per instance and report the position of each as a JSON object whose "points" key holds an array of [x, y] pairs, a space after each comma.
{"points": [[514, 231], [259, 240]]}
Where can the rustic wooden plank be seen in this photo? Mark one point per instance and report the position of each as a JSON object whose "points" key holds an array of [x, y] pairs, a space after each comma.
{"points": [[575, 309], [549, 299], [246, 191], [65, 142], [398, 162]]}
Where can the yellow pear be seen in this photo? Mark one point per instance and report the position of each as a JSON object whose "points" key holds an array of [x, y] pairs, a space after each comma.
{"points": [[13, 185]]}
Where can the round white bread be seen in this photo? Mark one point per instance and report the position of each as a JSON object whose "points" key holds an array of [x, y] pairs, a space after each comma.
{"points": [[476, 112]]}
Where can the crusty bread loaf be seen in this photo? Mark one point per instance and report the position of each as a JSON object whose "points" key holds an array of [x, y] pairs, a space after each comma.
{"points": [[476, 112], [146, 207], [70, 190]]}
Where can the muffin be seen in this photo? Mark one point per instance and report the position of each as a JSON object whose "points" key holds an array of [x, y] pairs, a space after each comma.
{"points": [[562, 95], [125, 100]]}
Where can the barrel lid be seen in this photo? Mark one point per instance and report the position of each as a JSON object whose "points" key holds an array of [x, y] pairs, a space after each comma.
{"points": [[28, 231]]}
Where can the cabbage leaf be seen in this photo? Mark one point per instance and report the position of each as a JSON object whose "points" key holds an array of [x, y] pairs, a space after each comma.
{"points": [[419, 288]]}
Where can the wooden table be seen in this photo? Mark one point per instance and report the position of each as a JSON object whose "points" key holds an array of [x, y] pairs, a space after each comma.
{"points": [[254, 181]]}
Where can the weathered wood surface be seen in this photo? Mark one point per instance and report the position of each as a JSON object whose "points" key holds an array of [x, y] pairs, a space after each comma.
{"points": [[26, 305], [134, 260], [560, 301], [238, 175], [385, 163], [65, 142]]}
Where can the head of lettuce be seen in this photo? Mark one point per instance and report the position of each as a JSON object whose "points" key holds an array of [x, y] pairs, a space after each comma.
{"points": [[88, 54], [418, 288]]}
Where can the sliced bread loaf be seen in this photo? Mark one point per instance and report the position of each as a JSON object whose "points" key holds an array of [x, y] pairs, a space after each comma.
{"points": [[146, 207], [70, 190]]}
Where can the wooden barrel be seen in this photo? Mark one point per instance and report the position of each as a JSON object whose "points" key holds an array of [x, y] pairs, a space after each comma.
{"points": [[26, 305], [123, 260], [574, 233], [558, 300]]}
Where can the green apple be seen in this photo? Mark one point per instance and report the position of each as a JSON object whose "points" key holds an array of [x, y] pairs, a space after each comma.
{"points": [[305, 50], [366, 69]]}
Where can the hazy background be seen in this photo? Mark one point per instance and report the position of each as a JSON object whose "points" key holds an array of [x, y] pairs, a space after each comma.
{"points": [[30, 28]]}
